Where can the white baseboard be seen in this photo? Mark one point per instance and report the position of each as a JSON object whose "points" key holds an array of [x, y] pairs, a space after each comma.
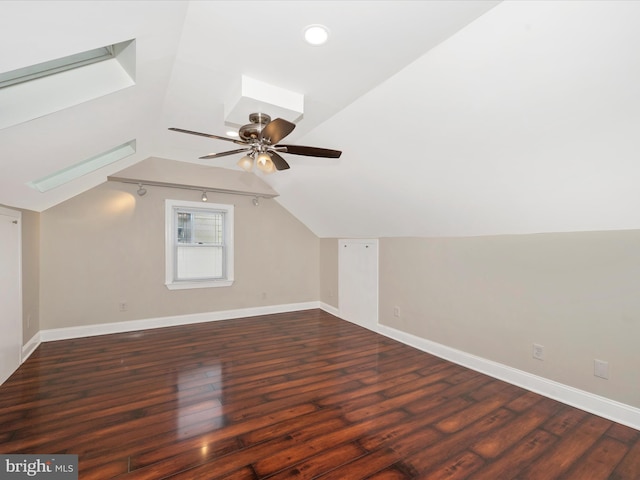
{"points": [[30, 347], [601, 406], [330, 309], [148, 323]]}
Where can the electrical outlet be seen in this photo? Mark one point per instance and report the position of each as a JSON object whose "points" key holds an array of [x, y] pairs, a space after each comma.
{"points": [[396, 311], [601, 369], [122, 306], [538, 351]]}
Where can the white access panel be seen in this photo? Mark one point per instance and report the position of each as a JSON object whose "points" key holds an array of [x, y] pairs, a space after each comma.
{"points": [[358, 281], [10, 292]]}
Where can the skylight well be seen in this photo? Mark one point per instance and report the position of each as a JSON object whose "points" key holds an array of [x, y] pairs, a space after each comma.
{"points": [[34, 91], [85, 167], [58, 65]]}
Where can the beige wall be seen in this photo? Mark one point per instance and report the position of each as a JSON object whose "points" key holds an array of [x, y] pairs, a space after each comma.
{"points": [[329, 271], [30, 274], [574, 293], [106, 246], [577, 294]]}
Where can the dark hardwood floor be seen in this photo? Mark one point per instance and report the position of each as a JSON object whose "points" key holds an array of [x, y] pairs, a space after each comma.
{"points": [[297, 395]]}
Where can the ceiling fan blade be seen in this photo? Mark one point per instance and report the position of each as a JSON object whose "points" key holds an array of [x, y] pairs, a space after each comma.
{"points": [[208, 135], [224, 154], [279, 162], [276, 130], [310, 151]]}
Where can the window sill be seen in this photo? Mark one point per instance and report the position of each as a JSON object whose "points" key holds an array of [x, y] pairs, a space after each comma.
{"points": [[204, 284]]}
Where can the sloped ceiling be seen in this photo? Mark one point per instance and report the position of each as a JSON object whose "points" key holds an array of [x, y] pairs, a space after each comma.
{"points": [[526, 121], [455, 118]]}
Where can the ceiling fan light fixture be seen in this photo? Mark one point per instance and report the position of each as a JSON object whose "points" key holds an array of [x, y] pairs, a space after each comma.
{"points": [[264, 163], [246, 163], [316, 34]]}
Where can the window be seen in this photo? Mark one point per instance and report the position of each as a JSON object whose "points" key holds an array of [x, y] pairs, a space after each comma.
{"points": [[199, 245], [68, 174], [63, 64], [37, 90]]}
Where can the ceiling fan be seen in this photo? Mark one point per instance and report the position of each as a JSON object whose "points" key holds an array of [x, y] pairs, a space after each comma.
{"points": [[260, 144]]}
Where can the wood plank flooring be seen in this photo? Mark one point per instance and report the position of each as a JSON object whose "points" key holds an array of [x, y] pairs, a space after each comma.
{"points": [[293, 396]]}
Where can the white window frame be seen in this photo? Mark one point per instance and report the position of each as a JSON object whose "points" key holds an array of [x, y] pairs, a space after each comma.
{"points": [[170, 237]]}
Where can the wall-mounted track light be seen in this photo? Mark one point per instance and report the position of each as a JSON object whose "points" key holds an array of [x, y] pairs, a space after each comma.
{"points": [[144, 184]]}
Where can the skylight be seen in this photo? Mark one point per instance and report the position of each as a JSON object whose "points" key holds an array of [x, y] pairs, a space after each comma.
{"points": [[38, 90], [87, 166], [56, 66]]}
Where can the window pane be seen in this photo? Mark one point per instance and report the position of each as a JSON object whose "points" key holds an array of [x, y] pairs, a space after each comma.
{"points": [[207, 228], [199, 262], [200, 227], [184, 227]]}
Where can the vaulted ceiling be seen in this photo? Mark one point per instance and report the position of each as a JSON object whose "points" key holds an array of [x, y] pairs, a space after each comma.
{"points": [[454, 117]]}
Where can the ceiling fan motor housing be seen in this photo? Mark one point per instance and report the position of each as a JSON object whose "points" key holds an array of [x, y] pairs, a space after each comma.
{"points": [[252, 130]]}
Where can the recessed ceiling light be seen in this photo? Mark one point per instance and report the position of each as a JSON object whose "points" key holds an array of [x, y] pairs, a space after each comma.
{"points": [[316, 34]]}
